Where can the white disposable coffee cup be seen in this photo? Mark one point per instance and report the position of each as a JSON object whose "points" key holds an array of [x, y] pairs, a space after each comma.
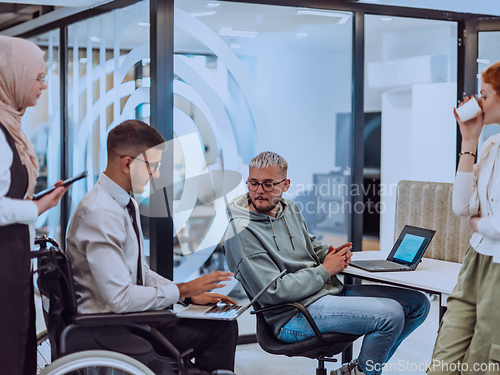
{"points": [[469, 110]]}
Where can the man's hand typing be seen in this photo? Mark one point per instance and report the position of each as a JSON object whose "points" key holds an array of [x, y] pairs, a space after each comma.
{"points": [[212, 298], [203, 284]]}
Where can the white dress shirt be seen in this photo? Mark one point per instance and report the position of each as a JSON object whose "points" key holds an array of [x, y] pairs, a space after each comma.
{"points": [[486, 240], [103, 249], [13, 211]]}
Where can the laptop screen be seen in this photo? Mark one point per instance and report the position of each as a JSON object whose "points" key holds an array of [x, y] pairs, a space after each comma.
{"points": [[411, 245], [408, 248]]}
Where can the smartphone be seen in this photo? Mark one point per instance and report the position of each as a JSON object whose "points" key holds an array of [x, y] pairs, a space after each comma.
{"points": [[65, 183]]}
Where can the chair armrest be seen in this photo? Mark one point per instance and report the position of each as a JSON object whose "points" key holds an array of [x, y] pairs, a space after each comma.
{"points": [[125, 318], [303, 310]]}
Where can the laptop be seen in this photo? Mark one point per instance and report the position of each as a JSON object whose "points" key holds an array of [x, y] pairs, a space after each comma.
{"points": [[222, 311], [406, 253]]}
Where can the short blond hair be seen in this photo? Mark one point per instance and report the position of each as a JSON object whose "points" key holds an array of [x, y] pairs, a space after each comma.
{"points": [[268, 159]]}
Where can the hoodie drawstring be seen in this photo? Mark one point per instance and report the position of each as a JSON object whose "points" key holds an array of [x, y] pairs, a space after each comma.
{"points": [[289, 233], [274, 234]]}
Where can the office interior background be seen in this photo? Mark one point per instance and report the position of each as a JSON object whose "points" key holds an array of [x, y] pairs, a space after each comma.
{"points": [[356, 95]]}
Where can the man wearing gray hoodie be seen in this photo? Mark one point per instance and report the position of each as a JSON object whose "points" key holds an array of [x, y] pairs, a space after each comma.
{"points": [[267, 234]]}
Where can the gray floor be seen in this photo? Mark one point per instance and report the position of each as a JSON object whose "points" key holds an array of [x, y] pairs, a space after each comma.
{"points": [[412, 356]]}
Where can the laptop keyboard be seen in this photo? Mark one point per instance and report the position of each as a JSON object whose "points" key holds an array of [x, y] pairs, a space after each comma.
{"points": [[224, 310], [388, 265]]}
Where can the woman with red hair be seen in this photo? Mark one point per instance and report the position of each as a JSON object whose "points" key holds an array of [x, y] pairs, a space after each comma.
{"points": [[468, 341]]}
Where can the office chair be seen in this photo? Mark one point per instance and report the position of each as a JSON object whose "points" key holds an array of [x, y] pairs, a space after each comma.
{"points": [[321, 347], [102, 335]]}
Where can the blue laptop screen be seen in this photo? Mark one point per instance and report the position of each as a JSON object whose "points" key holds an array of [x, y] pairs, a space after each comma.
{"points": [[408, 248]]}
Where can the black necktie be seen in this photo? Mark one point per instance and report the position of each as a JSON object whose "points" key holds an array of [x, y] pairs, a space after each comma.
{"points": [[132, 212]]}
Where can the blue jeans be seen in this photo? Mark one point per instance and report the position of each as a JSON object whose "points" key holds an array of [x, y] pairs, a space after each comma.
{"points": [[384, 314]]}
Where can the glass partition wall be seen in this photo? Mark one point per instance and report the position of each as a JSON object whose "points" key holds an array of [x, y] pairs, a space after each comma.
{"points": [[110, 55], [410, 91], [253, 78], [108, 82], [42, 124]]}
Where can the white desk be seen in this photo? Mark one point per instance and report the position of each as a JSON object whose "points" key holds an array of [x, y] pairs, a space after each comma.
{"points": [[431, 276]]}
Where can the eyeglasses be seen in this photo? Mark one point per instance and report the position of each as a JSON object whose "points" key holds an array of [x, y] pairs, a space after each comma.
{"points": [[267, 186], [43, 79], [152, 167]]}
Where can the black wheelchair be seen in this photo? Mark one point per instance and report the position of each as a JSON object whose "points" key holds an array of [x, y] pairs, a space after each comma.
{"points": [[100, 344]]}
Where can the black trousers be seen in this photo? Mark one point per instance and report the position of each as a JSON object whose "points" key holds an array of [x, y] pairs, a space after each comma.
{"points": [[17, 308], [213, 341]]}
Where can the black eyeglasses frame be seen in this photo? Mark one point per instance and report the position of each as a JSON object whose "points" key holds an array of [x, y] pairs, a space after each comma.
{"points": [[152, 167], [262, 185]]}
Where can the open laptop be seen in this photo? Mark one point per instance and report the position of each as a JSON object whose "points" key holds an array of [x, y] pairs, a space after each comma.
{"points": [[222, 311], [406, 253]]}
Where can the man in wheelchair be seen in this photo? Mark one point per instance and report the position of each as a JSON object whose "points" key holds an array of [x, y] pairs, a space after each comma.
{"points": [[105, 246]]}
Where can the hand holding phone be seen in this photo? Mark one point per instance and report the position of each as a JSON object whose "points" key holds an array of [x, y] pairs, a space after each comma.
{"points": [[67, 182]]}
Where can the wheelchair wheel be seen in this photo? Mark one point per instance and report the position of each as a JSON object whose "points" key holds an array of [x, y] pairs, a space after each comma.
{"points": [[43, 355], [101, 362]]}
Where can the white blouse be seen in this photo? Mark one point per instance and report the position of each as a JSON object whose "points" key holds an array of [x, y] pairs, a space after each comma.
{"points": [[13, 211], [486, 240]]}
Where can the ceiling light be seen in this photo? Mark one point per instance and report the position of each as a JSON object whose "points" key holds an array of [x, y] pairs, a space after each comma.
{"points": [[228, 31], [386, 19], [311, 12], [83, 60], [483, 61], [143, 24], [235, 46], [301, 34], [95, 39], [212, 5], [202, 14]]}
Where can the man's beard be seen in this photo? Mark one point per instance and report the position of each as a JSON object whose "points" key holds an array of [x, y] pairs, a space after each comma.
{"points": [[266, 208]]}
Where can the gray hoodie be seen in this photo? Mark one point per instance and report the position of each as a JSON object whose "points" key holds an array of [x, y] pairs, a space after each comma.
{"points": [[263, 246]]}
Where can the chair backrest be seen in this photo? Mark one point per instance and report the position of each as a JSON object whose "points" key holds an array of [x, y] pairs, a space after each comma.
{"points": [[55, 283], [429, 205]]}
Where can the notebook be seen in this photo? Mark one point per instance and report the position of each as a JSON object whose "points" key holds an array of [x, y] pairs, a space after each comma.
{"points": [[222, 311], [406, 253]]}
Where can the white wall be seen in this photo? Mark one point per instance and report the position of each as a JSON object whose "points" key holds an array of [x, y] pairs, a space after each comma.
{"points": [[418, 143]]}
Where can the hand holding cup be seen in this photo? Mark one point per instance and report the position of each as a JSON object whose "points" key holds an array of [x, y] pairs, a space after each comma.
{"points": [[468, 110]]}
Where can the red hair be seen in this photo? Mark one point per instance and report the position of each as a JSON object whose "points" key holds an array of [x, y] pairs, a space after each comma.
{"points": [[492, 76]]}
